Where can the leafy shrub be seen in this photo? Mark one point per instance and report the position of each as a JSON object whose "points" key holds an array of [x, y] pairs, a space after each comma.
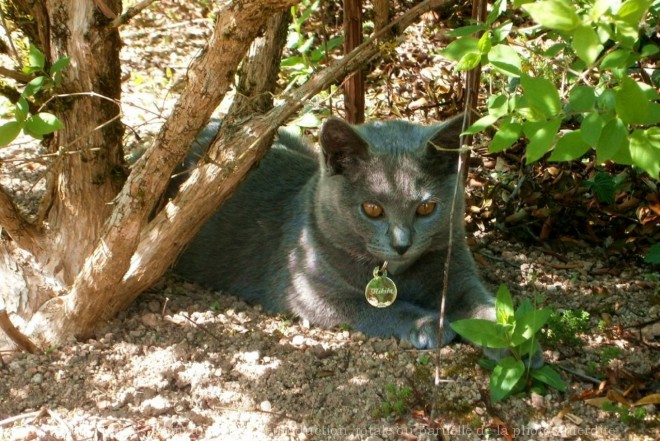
{"points": [[515, 331]]}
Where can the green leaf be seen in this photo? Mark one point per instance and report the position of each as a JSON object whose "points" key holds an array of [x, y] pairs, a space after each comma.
{"points": [[604, 187], [554, 50], [542, 136], [527, 348], [644, 153], [632, 11], [458, 48], [484, 43], [60, 65], [649, 50], [653, 254], [487, 363], [631, 103], [654, 115], [541, 95], [469, 61], [43, 123], [523, 309], [549, 376], [586, 44], [559, 15], [481, 332], [292, 61], [504, 378], [570, 146], [498, 105], [582, 99], [528, 325], [606, 100], [626, 34], [613, 138], [599, 8], [21, 110], [481, 124], [591, 128], [504, 305], [502, 31], [36, 58], [9, 131], [505, 60], [306, 45], [35, 85], [499, 8], [618, 59], [508, 133]]}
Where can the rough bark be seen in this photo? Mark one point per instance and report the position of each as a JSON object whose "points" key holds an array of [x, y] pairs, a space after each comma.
{"points": [[258, 76], [87, 181], [381, 13], [354, 84]]}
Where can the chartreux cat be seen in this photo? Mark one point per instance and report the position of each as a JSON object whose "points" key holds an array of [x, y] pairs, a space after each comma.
{"points": [[304, 232]]}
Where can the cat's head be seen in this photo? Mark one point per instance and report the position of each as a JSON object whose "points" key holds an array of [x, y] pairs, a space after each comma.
{"points": [[386, 187]]}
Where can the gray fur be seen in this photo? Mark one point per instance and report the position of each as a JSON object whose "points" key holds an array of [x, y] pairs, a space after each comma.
{"points": [[294, 237]]}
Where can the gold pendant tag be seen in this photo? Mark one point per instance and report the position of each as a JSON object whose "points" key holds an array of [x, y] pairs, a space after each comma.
{"points": [[381, 290]]}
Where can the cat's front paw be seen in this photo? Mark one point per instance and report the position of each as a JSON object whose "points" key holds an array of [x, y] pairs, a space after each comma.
{"points": [[424, 334]]}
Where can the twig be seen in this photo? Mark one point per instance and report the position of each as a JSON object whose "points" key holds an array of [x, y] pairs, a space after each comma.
{"points": [[17, 337], [478, 9], [578, 374], [60, 420], [202, 327], [15, 75], [105, 9], [130, 13], [24, 416]]}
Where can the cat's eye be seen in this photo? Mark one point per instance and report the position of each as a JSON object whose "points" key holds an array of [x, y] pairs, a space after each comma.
{"points": [[425, 208], [372, 210]]}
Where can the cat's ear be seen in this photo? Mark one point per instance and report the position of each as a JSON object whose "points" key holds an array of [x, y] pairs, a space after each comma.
{"points": [[444, 144], [341, 145]]}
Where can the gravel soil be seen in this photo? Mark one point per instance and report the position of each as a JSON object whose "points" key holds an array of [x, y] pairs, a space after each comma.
{"points": [[183, 363]]}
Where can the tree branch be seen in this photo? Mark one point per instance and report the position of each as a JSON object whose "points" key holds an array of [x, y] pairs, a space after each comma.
{"points": [[130, 13], [14, 75], [15, 335], [230, 160], [24, 234]]}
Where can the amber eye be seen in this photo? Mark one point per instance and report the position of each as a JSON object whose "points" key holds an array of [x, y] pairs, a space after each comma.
{"points": [[372, 210], [425, 208]]}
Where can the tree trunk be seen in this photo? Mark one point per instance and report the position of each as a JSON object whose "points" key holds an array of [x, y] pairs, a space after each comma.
{"points": [[381, 13], [354, 84], [88, 169]]}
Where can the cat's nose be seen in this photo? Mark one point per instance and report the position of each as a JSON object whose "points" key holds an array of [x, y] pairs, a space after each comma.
{"points": [[401, 249], [400, 239]]}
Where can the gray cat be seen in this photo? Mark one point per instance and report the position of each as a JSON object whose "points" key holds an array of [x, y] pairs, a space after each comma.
{"points": [[304, 234]]}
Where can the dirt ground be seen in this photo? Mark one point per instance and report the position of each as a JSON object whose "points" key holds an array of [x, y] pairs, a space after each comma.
{"points": [[184, 363]]}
